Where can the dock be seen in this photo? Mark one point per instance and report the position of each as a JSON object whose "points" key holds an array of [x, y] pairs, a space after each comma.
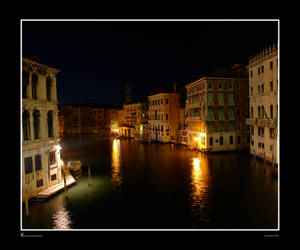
{"points": [[47, 193]]}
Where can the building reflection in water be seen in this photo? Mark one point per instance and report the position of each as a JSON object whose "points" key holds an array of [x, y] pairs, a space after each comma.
{"points": [[62, 219], [200, 187], [116, 163]]}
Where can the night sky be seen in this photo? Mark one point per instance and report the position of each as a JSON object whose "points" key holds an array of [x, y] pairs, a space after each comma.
{"points": [[97, 58]]}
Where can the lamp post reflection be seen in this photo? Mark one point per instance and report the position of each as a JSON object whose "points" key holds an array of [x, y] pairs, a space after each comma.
{"points": [[200, 186], [116, 162]]}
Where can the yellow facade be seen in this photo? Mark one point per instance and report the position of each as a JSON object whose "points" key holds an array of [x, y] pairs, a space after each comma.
{"points": [[164, 117]]}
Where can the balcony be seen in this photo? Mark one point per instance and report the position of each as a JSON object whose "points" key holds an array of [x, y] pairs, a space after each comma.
{"points": [[194, 118], [250, 121], [271, 123]]}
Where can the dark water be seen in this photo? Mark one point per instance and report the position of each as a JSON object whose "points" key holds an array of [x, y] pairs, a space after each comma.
{"points": [[150, 186]]}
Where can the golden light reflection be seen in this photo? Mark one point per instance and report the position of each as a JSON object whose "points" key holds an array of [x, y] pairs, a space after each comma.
{"points": [[116, 162], [200, 185], [62, 219]]}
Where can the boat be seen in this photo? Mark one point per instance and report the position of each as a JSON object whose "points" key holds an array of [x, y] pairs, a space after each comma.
{"points": [[75, 166]]}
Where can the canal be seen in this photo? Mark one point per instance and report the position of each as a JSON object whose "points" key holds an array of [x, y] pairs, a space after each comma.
{"points": [[159, 186]]}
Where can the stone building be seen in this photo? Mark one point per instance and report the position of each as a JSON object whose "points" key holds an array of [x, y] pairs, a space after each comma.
{"points": [[217, 108], [263, 93], [164, 117], [85, 119], [41, 164], [133, 118]]}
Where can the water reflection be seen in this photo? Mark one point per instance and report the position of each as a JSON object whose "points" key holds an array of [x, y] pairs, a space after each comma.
{"points": [[200, 185], [116, 163], [62, 219]]}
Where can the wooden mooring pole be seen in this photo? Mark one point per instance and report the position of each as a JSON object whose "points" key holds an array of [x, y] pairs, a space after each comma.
{"points": [[89, 176]]}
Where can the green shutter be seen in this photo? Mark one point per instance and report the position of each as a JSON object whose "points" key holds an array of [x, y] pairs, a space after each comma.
{"points": [[220, 98]]}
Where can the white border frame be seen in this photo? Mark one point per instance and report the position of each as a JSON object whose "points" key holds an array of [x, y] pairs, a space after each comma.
{"points": [[152, 20]]}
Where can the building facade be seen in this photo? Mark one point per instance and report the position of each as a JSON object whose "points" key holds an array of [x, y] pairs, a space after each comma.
{"points": [[164, 117], [263, 93], [41, 163], [217, 108], [134, 118], [85, 119]]}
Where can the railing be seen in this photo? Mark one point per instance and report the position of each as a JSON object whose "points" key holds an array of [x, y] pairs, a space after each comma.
{"points": [[250, 121], [260, 122], [194, 118]]}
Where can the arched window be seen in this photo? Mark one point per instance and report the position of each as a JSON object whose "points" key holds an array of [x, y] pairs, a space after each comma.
{"points": [[262, 112], [25, 82], [155, 116], [162, 128], [50, 123], [26, 125], [48, 88], [34, 82], [36, 124], [221, 140], [258, 111]]}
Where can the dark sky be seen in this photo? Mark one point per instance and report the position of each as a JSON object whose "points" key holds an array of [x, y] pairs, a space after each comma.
{"points": [[97, 58]]}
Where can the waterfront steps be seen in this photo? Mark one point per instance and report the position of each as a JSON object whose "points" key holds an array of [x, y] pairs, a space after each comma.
{"points": [[47, 193]]}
